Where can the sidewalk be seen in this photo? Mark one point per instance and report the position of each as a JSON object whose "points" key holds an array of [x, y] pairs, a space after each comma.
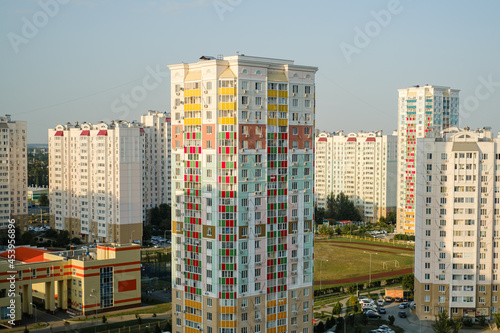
{"points": [[75, 323]]}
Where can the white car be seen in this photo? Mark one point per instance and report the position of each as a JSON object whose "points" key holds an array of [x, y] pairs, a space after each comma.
{"points": [[380, 302]]}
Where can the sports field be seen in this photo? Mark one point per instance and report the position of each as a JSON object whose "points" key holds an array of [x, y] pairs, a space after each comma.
{"points": [[341, 262]]}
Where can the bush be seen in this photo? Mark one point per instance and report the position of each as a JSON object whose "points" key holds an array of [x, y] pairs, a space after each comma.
{"points": [[337, 308], [482, 321], [392, 319], [26, 330], [467, 322], [104, 319], [497, 320], [154, 314]]}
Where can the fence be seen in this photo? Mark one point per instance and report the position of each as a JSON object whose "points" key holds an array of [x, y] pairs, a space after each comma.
{"points": [[142, 328], [377, 240]]}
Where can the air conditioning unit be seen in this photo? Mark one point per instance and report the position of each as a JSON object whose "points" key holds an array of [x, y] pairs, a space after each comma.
{"points": [[246, 106], [296, 298], [246, 120], [178, 93], [175, 107], [246, 179], [293, 94], [258, 319], [243, 308], [244, 91], [294, 272], [305, 95], [206, 91], [206, 106]]}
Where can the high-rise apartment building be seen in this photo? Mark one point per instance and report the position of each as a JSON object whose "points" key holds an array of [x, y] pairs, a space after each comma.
{"points": [[457, 231], [242, 193], [362, 166], [95, 180], [422, 112], [13, 172], [156, 164]]}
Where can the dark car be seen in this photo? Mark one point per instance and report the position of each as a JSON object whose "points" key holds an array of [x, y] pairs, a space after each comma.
{"points": [[381, 310], [398, 299], [373, 314], [402, 314], [388, 299], [405, 299]]}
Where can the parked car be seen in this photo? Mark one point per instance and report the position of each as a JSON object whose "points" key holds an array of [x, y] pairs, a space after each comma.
{"points": [[373, 314], [380, 302], [402, 314], [405, 299], [398, 299], [388, 299], [403, 305], [381, 310]]}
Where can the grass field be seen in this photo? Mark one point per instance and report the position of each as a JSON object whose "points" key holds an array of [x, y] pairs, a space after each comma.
{"points": [[337, 259]]}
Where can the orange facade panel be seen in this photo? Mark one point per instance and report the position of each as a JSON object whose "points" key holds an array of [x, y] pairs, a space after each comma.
{"points": [[127, 285]]}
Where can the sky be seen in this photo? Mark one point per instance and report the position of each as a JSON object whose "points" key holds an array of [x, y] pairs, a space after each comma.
{"points": [[78, 60]]}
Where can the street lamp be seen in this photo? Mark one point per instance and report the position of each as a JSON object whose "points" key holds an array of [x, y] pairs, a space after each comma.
{"points": [[36, 318], [370, 253], [320, 270]]}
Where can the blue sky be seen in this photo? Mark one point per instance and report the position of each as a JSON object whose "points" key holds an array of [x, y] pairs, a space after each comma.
{"points": [[86, 55]]}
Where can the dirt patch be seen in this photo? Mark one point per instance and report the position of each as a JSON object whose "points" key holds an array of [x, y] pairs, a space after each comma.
{"points": [[367, 277]]}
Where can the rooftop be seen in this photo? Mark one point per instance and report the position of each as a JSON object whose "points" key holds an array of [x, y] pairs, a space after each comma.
{"points": [[27, 254]]}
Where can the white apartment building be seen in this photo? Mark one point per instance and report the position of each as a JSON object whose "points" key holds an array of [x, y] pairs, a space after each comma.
{"points": [[362, 166], [457, 205], [242, 193], [13, 172], [95, 180], [422, 112], [156, 184]]}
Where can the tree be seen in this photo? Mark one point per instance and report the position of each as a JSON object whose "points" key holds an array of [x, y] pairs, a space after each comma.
{"points": [[409, 282], [456, 324], [391, 319], [497, 319], [62, 239], [340, 207], [337, 308], [319, 215], [320, 328], [76, 241], [157, 328], [441, 323], [391, 218], [364, 319], [43, 200], [27, 238]]}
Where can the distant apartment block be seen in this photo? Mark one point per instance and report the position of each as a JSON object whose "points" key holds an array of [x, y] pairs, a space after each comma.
{"points": [[457, 208], [242, 193], [156, 164], [13, 172], [104, 178], [422, 112], [362, 166], [95, 180]]}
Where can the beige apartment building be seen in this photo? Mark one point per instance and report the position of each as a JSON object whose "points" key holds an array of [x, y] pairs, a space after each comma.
{"points": [[362, 166], [13, 172], [457, 206]]}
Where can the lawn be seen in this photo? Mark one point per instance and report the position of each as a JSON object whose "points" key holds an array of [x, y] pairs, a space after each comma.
{"points": [[337, 259]]}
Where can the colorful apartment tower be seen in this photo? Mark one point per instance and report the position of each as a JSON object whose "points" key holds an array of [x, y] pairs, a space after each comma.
{"points": [[242, 194], [422, 112]]}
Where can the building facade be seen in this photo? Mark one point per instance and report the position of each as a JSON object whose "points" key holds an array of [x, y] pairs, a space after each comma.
{"points": [[95, 180], [362, 166], [242, 193], [13, 172], [87, 281], [156, 184], [457, 224], [422, 112]]}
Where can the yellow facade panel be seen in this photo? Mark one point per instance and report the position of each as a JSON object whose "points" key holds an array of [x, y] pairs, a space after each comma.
{"points": [[283, 108], [193, 317], [283, 122], [272, 107], [193, 304], [272, 93], [283, 94], [272, 122]]}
